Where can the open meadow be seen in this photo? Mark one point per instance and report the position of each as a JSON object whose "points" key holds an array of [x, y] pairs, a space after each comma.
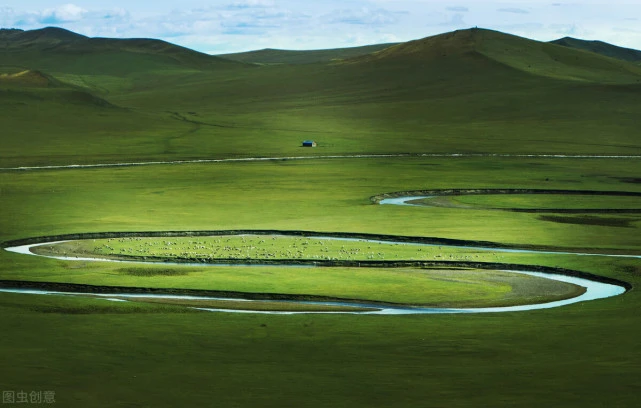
{"points": [[554, 118]]}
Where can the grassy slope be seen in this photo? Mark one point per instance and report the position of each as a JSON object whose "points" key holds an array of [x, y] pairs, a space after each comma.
{"points": [[600, 47], [77, 122], [80, 127], [553, 61], [275, 56], [541, 59]]}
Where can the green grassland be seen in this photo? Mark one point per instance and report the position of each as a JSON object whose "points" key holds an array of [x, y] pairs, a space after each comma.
{"points": [[457, 93], [316, 195]]}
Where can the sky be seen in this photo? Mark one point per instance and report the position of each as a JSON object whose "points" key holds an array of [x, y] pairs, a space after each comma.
{"points": [[224, 26]]}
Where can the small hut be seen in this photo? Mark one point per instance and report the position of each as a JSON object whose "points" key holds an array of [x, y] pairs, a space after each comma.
{"points": [[309, 143]]}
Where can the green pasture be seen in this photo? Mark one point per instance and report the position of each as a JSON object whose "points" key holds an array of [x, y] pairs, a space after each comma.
{"points": [[315, 195]]}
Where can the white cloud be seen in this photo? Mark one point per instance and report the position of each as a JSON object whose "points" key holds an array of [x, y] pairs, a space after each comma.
{"points": [[62, 14], [363, 16], [241, 4], [513, 10]]}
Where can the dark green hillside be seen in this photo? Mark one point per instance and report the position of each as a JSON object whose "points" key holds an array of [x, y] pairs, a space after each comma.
{"points": [[600, 47], [42, 126], [16, 38], [275, 56], [45, 121]]}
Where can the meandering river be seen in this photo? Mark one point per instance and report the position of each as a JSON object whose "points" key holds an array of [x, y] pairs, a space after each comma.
{"points": [[594, 290]]}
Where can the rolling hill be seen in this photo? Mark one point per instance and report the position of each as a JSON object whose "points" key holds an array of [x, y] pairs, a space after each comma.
{"points": [[600, 47], [52, 95], [533, 57], [49, 36], [468, 91], [45, 121]]}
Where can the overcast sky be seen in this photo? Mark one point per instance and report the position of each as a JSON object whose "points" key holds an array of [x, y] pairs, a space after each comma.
{"points": [[219, 26]]}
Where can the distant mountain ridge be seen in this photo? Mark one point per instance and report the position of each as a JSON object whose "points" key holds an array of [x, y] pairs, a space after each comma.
{"points": [[55, 40], [18, 46], [276, 56], [56, 50], [50, 35], [282, 56], [600, 47]]}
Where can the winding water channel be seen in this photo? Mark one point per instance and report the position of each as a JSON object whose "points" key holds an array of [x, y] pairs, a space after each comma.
{"points": [[409, 200], [594, 290]]}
